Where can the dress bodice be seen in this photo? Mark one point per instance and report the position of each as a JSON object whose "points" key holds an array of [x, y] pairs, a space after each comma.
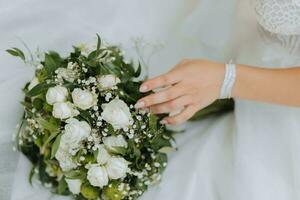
{"points": [[279, 16], [280, 22]]}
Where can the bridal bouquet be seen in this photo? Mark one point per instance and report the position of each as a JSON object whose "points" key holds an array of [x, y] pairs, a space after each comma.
{"points": [[81, 131]]}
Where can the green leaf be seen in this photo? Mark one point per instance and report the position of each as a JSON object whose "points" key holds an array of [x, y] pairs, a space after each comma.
{"points": [[55, 146], [31, 174], [138, 71], [49, 139], [52, 127], [39, 89], [16, 52], [75, 174], [43, 175], [159, 142], [37, 104], [62, 186], [86, 116], [118, 150], [218, 107], [52, 62], [161, 158], [98, 42], [153, 122]]}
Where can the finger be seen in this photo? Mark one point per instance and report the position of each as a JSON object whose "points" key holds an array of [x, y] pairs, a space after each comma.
{"points": [[187, 113], [172, 105], [160, 81], [161, 96]]}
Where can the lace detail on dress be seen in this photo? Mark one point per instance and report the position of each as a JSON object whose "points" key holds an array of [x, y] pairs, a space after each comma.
{"points": [[279, 16], [297, 2]]}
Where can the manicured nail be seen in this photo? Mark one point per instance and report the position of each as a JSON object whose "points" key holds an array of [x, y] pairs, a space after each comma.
{"points": [[139, 104], [163, 121], [143, 88]]}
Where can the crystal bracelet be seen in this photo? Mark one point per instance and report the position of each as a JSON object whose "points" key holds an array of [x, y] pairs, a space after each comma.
{"points": [[229, 80]]}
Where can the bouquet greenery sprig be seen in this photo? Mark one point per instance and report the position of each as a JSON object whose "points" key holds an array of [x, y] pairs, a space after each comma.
{"points": [[81, 131]]}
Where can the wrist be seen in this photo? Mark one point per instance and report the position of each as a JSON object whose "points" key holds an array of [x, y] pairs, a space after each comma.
{"points": [[246, 82]]}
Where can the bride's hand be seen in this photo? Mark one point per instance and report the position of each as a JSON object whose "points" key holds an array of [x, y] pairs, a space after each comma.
{"points": [[191, 85]]}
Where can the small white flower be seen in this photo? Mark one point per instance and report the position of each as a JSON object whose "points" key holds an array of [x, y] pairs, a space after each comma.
{"points": [[33, 83], [85, 49], [108, 96], [64, 110], [103, 155], [99, 123], [71, 65], [97, 176], [56, 94], [114, 142], [156, 164], [66, 73], [39, 66], [117, 167], [108, 81], [84, 99], [74, 185], [130, 136], [117, 113]]}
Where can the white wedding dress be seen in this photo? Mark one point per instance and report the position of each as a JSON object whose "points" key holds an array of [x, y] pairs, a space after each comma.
{"points": [[251, 154]]}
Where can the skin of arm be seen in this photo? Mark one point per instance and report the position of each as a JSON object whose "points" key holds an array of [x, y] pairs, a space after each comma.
{"points": [[194, 84]]}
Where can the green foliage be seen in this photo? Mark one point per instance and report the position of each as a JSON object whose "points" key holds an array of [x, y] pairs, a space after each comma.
{"points": [[16, 52], [216, 108], [76, 174], [39, 89], [51, 125], [55, 146], [62, 187], [52, 62]]}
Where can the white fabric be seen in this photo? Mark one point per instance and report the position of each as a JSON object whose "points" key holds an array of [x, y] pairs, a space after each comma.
{"points": [[280, 21], [249, 154], [279, 16]]}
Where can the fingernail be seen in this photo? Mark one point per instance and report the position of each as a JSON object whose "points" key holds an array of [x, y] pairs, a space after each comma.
{"points": [[143, 88], [163, 121], [139, 104]]}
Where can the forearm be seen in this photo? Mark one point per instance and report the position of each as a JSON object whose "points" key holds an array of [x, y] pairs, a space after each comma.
{"points": [[280, 86]]}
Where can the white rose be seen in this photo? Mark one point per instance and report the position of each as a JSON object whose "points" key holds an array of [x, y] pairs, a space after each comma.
{"points": [[97, 176], [64, 158], [117, 167], [83, 99], [65, 73], [33, 83], [113, 142], [117, 113], [74, 185], [75, 132], [103, 155], [64, 110], [108, 81], [56, 94]]}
